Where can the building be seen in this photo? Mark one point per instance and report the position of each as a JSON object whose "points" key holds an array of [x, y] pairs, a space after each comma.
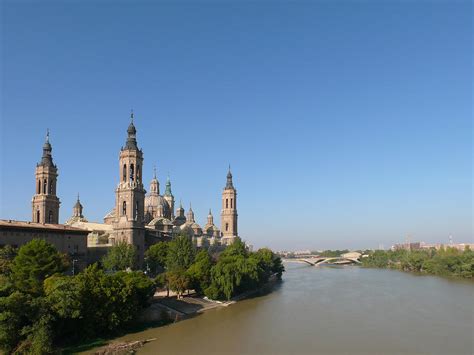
{"points": [[137, 218], [229, 211], [45, 216]]}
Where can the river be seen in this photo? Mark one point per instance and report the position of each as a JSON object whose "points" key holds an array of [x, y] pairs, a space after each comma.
{"points": [[326, 310]]}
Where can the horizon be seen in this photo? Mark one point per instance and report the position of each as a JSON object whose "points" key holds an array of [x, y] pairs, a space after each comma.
{"points": [[357, 133]]}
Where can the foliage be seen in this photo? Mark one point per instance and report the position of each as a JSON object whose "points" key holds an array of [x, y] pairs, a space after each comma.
{"points": [[237, 270], [60, 308], [121, 256], [179, 281], [444, 262], [180, 253], [35, 261], [7, 254], [333, 253], [156, 256], [200, 271]]}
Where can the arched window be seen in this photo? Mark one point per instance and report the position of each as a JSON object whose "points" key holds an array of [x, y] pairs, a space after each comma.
{"points": [[50, 187], [226, 203], [50, 217], [226, 227], [124, 208], [231, 203], [38, 190], [138, 172], [132, 172], [124, 177], [37, 216], [136, 210], [44, 186]]}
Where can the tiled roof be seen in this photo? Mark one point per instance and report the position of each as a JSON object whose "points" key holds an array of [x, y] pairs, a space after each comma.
{"points": [[10, 223]]}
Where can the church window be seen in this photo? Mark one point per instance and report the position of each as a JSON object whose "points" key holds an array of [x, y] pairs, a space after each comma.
{"points": [[132, 172], [136, 209], [50, 187], [38, 190], [138, 172], [44, 186], [37, 216], [124, 177], [231, 203], [124, 208], [226, 203], [227, 227], [50, 217]]}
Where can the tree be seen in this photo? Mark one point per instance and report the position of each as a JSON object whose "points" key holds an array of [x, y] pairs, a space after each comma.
{"points": [[236, 248], [179, 281], [162, 281], [200, 271], [36, 260], [7, 254], [156, 256], [121, 256], [180, 253]]}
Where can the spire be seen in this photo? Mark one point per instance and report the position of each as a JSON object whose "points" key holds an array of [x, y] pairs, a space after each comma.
{"points": [[168, 187], [190, 215], [154, 184], [210, 218], [47, 158], [229, 184], [131, 142], [77, 209]]}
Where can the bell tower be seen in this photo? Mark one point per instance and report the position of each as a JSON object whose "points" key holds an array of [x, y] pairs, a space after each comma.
{"points": [[129, 224], [229, 211], [168, 196], [45, 203]]}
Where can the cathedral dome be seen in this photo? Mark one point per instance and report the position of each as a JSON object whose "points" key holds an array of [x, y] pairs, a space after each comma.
{"points": [[153, 203], [160, 221]]}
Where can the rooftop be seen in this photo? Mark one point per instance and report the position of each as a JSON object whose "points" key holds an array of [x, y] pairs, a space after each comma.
{"points": [[10, 223]]}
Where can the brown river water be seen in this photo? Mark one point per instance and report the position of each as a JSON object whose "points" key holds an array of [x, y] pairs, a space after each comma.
{"points": [[332, 310]]}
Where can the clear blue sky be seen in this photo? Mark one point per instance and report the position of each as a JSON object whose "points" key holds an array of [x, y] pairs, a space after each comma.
{"points": [[347, 123]]}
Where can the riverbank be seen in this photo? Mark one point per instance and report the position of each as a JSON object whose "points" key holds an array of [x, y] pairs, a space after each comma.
{"points": [[164, 311], [449, 262], [330, 310]]}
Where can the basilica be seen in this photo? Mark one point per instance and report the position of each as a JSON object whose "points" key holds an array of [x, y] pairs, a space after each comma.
{"points": [[138, 217]]}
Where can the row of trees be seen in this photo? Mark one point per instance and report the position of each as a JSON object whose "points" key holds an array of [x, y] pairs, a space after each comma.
{"points": [[40, 307], [181, 267], [443, 262]]}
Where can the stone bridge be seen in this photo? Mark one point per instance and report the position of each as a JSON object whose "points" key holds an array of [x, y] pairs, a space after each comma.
{"points": [[349, 258]]}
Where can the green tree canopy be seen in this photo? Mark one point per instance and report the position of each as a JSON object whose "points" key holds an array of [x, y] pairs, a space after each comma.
{"points": [[7, 254], [36, 260], [156, 257], [200, 271], [179, 281], [121, 256], [180, 253]]}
